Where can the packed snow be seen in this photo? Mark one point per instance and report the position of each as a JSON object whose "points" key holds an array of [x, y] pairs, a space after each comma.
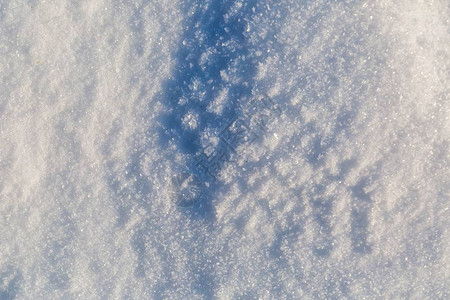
{"points": [[224, 149]]}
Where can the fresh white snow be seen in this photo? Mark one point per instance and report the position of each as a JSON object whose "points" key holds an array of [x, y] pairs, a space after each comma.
{"points": [[224, 149]]}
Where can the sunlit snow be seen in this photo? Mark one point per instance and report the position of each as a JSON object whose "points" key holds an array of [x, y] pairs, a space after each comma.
{"points": [[221, 149]]}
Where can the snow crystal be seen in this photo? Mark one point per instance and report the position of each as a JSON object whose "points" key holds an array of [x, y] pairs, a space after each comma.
{"points": [[224, 149]]}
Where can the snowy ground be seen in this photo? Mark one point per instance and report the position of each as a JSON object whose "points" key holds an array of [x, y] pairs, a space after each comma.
{"points": [[106, 108]]}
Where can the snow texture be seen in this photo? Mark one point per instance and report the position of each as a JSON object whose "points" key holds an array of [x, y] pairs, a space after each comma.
{"points": [[223, 149]]}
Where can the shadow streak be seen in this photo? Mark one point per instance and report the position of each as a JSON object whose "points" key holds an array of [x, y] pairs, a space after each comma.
{"points": [[212, 75]]}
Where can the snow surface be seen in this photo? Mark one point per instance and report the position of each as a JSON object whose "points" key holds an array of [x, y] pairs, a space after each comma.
{"points": [[105, 107]]}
